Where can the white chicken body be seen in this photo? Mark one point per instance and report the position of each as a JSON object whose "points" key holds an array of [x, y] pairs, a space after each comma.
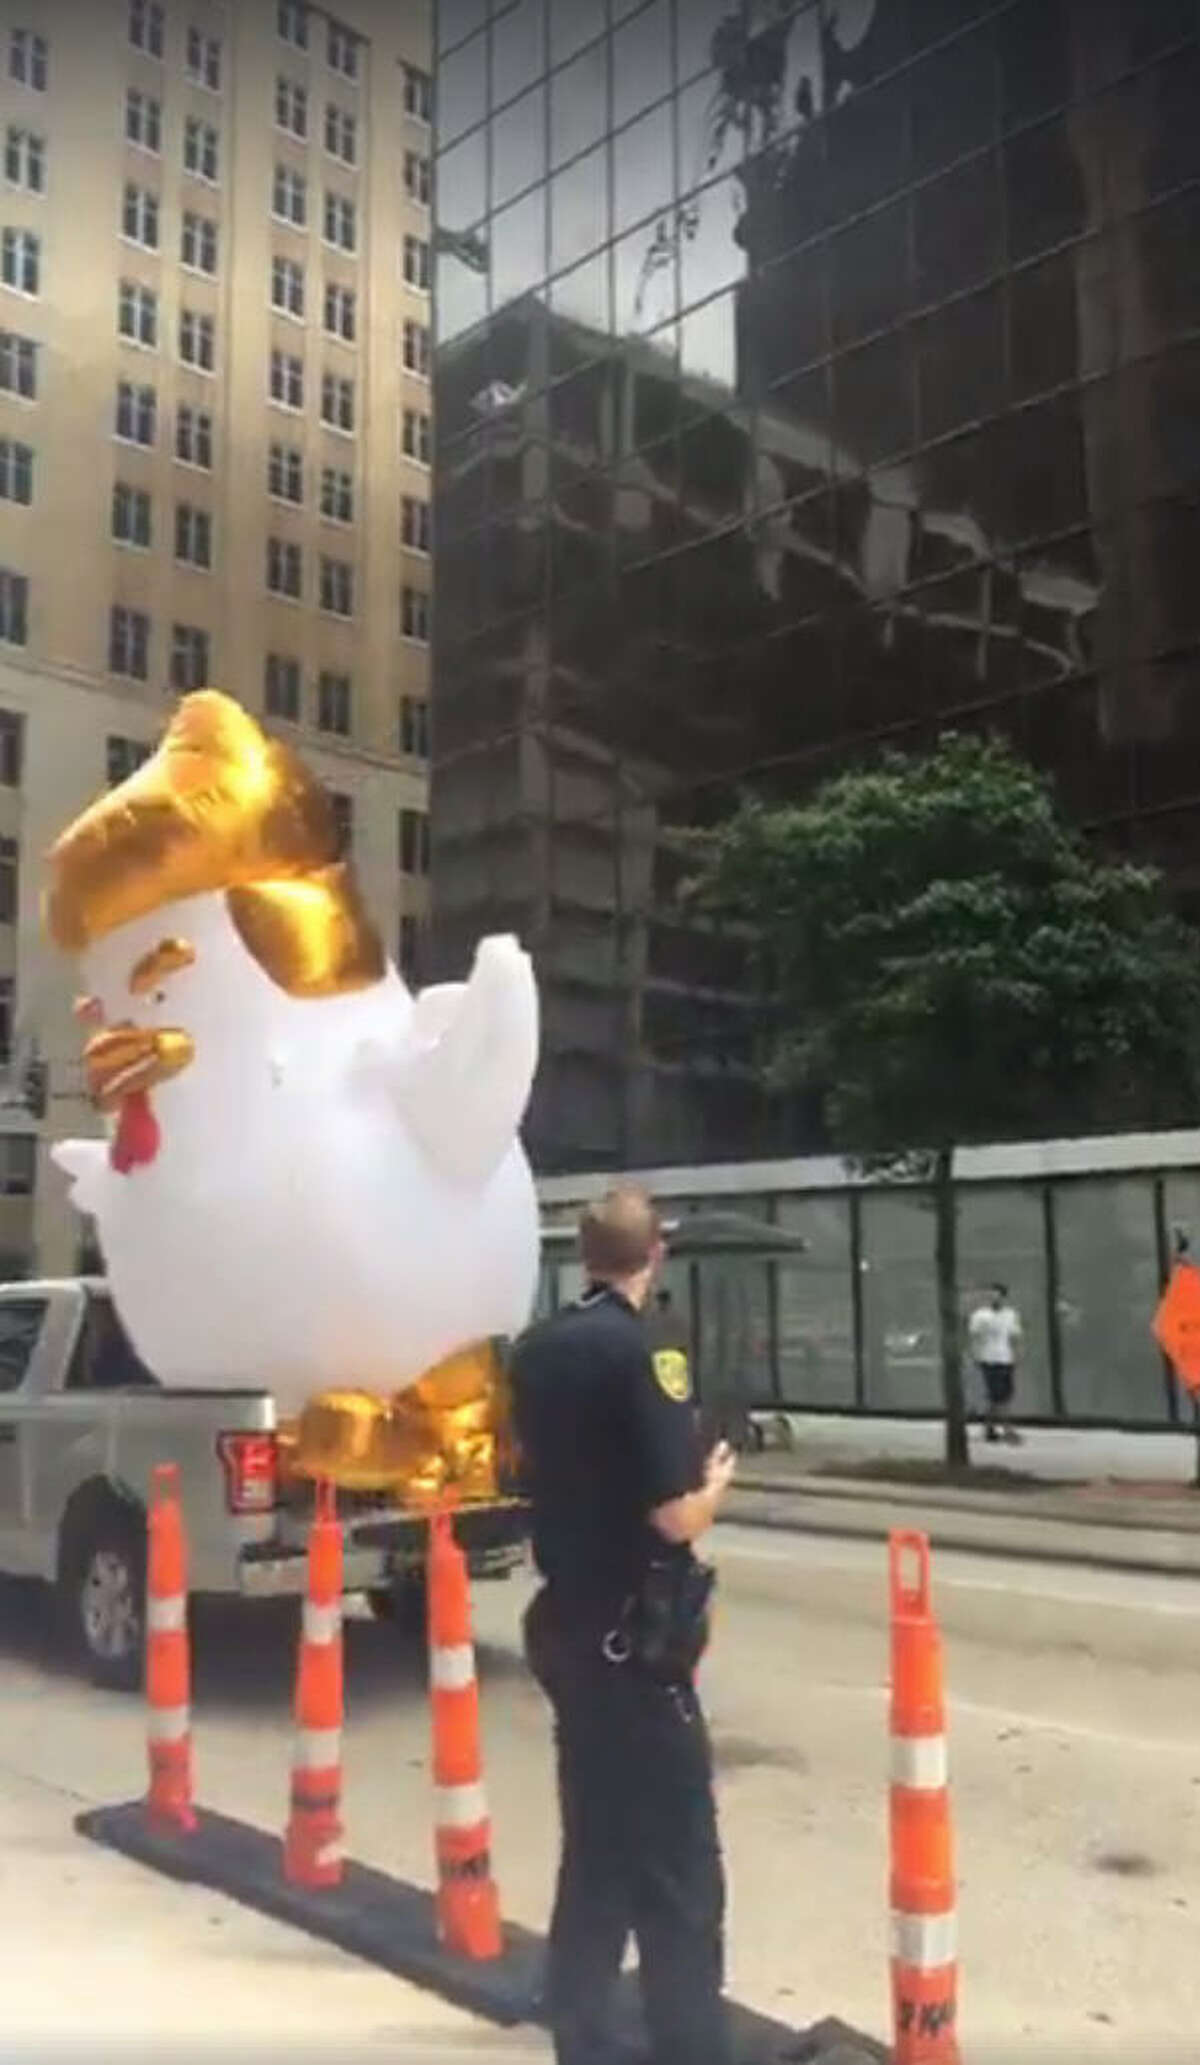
{"points": [[338, 1196]]}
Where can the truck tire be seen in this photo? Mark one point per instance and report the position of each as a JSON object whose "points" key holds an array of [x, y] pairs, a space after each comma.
{"points": [[102, 1592], [402, 1604]]}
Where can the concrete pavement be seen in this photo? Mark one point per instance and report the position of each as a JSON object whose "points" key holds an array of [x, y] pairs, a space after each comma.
{"points": [[1076, 1790]]}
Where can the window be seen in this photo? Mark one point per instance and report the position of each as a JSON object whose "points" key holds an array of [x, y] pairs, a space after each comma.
{"points": [[139, 216], [29, 59], [285, 568], [18, 366], [193, 535], [341, 50], [189, 658], [291, 106], [337, 402], [16, 472], [20, 1319], [337, 587], [341, 312], [414, 727], [197, 340], [281, 687], [289, 196], [201, 149], [146, 26], [333, 704], [417, 178], [415, 523], [137, 314], [285, 473], [287, 286], [291, 20], [21, 260], [14, 607], [131, 515], [414, 842], [342, 808], [194, 437], [337, 495], [341, 222], [25, 159], [416, 436], [123, 757], [143, 121], [137, 413], [198, 245], [341, 134], [416, 263], [416, 349], [414, 614], [418, 94], [128, 643], [410, 941], [287, 380], [12, 748], [204, 60]]}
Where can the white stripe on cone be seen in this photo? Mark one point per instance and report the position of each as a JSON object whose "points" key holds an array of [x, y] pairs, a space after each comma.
{"points": [[168, 1723], [460, 1806], [925, 1942], [166, 1616], [920, 1762], [320, 1624], [452, 1669], [317, 1749]]}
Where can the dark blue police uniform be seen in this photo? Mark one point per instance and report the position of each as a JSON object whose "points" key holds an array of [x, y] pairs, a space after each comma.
{"points": [[606, 1436]]}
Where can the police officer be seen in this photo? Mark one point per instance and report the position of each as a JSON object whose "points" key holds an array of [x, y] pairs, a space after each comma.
{"points": [[619, 1491]]}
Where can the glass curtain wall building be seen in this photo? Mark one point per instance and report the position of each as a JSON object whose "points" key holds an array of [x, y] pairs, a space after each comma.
{"points": [[806, 377]]}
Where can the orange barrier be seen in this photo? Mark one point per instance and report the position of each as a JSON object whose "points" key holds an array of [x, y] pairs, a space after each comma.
{"points": [[468, 1902], [312, 1849], [168, 1673], [924, 1934]]}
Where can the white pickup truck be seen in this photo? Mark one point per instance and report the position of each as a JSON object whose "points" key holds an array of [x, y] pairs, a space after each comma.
{"points": [[82, 1425]]}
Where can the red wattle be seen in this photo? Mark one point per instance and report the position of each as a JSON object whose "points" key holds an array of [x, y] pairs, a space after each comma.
{"points": [[137, 1138]]}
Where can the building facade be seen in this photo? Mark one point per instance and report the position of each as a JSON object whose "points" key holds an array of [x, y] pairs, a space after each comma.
{"points": [[807, 377], [215, 428]]}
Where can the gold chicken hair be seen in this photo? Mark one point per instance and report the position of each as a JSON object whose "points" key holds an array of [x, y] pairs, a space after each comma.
{"points": [[223, 815]]}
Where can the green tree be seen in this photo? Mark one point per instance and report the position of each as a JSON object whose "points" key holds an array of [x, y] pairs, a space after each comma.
{"points": [[949, 962]]}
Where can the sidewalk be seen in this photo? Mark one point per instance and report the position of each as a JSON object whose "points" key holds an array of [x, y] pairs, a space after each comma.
{"points": [[1123, 1500]]}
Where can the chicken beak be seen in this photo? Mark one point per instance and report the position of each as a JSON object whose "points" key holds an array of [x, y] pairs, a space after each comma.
{"points": [[129, 1058]]}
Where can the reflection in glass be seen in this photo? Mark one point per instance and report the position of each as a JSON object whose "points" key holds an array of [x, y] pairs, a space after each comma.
{"points": [[696, 23], [641, 60], [518, 146], [518, 253], [1108, 1286], [900, 1331], [578, 104], [572, 24], [708, 342], [710, 138], [711, 256], [816, 1305], [579, 209], [583, 296], [457, 19], [643, 164], [645, 268], [1001, 1239], [462, 182], [518, 47], [462, 89], [460, 298]]}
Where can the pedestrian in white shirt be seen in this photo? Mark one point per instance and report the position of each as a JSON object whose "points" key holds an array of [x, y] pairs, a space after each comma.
{"points": [[995, 1335]]}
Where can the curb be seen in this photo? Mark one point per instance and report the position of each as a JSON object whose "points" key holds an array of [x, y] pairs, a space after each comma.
{"points": [[392, 1924], [1082, 1543]]}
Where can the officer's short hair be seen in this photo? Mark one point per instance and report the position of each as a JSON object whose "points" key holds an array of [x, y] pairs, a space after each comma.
{"points": [[619, 1233]]}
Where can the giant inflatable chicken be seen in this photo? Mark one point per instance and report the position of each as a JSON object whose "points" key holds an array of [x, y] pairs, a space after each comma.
{"points": [[312, 1180]]}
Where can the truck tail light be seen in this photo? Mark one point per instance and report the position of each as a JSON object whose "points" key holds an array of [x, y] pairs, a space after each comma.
{"points": [[250, 1462]]}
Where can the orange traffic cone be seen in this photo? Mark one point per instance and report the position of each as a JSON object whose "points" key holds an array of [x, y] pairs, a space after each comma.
{"points": [[924, 1935], [312, 1849], [468, 1902], [168, 1674]]}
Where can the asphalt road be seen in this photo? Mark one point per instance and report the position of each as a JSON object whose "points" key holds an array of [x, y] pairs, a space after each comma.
{"points": [[1075, 1745]]}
